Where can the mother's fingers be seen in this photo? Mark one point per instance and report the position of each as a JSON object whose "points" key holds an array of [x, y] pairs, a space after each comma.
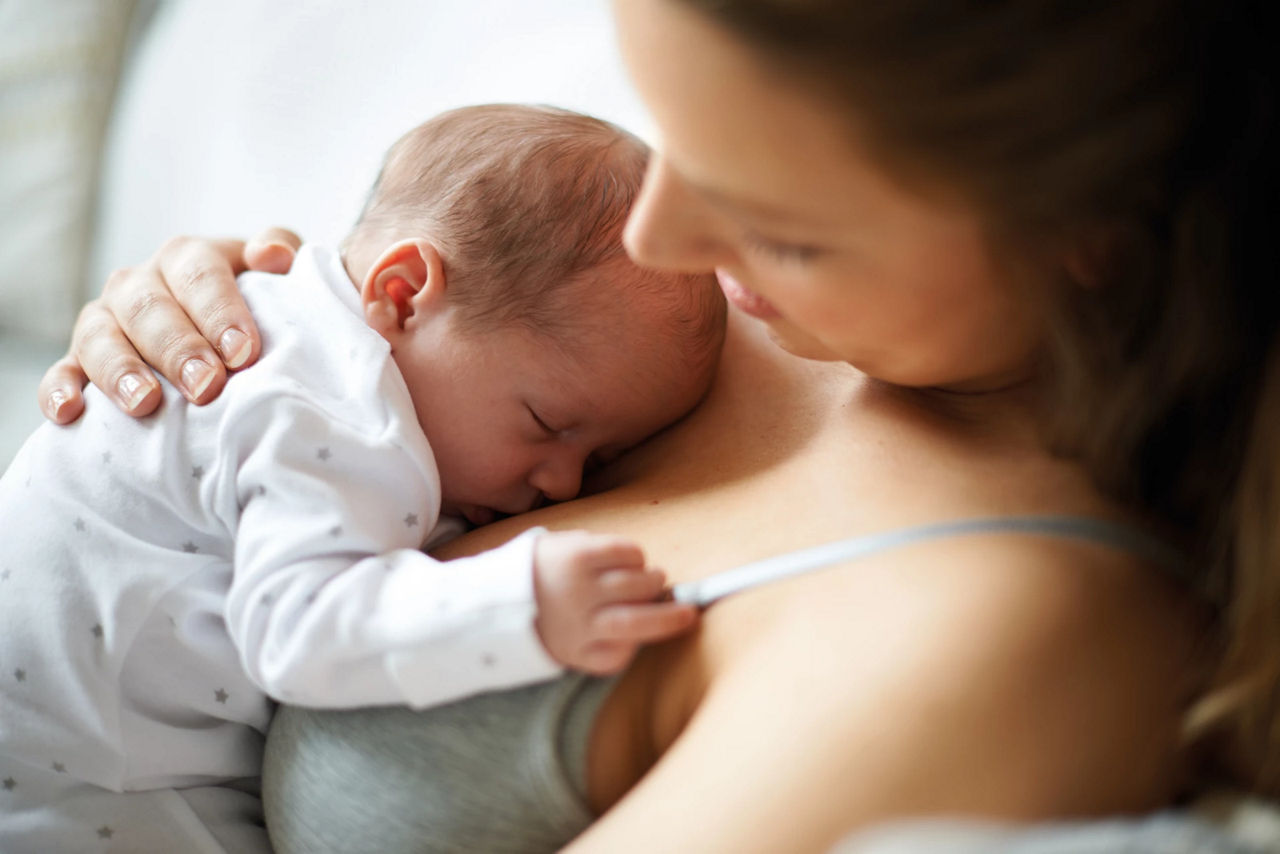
{"points": [[61, 391], [272, 250], [101, 351], [144, 325], [201, 275]]}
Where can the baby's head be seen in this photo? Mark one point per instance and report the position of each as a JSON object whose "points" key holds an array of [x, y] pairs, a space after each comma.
{"points": [[490, 256]]}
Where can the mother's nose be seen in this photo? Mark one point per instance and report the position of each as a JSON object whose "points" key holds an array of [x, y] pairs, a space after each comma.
{"points": [[669, 226]]}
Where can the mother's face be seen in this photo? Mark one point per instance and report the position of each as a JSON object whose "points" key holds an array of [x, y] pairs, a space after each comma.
{"points": [[764, 182]]}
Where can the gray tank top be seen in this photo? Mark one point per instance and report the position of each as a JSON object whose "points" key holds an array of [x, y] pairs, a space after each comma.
{"points": [[505, 772]]}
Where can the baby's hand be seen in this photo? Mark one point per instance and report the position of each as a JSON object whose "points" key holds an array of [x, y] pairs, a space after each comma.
{"points": [[597, 601]]}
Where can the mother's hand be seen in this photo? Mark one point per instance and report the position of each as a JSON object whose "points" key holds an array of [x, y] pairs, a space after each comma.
{"points": [[180, 311]]}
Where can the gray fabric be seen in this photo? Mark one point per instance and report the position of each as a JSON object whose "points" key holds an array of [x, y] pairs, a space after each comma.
{"points": [[504, 772], [500, 772], [1162, 833]]}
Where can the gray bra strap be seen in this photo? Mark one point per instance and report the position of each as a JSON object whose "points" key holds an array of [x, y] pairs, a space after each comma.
{"points": [[704, 591]]}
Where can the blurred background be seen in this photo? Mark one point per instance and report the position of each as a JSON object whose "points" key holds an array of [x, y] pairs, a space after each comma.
{"points": [[125, 122]]}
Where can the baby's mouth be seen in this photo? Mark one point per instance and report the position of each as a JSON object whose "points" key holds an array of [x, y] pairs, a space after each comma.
{"points": [[477, 515]]}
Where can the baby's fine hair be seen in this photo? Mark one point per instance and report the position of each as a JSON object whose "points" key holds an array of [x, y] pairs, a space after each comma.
{"points": [[522, 202]]}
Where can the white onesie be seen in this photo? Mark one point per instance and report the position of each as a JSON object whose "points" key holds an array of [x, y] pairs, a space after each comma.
{"points": [[161, 579]]}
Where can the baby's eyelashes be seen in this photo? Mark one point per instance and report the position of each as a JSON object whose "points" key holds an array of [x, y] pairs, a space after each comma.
{"points": [[542, 424]]}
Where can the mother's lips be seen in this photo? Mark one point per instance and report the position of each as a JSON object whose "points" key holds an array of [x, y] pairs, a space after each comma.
{"points": [[744, 300]]}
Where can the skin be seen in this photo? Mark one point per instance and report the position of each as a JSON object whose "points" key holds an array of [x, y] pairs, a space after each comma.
{"points": [[1031, 641], [795, 211], [514, 420], [1009, 677], [1048, 682]]}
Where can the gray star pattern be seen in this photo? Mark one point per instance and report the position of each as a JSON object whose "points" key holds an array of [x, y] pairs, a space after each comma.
{"points": [[20, 675], [59, 767], [197, 472], [4, 576], [10, 784], [79, 524], [97, 630], [190, 547], [487, 660], [324, 454], [335, 531], [106, 456], [105, 832], [410, 520], [221, 696]]}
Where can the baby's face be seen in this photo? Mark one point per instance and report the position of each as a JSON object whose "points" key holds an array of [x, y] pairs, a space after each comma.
{"points": [[513, 420]]}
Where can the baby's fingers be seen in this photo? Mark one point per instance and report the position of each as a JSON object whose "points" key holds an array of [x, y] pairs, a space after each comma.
{"points": [[606, 659], [646, 623], [605, 552], [628, 585]]}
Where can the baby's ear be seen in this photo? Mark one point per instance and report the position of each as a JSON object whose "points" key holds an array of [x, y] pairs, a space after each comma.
{"points": [[406, 279]]}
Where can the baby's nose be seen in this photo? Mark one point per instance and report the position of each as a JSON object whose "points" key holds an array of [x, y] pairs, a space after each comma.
{"points": [[558, 480]]}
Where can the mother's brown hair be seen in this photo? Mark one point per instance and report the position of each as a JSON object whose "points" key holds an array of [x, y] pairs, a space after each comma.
{"points": [[1136, 137]]}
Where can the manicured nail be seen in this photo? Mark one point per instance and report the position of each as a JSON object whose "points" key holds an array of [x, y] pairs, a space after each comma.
{"points": [[132, 390], [235, 347], [57, 399], [196, 376]]}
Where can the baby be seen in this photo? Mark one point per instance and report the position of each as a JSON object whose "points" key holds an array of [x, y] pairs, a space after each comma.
{"points": [[480, 340]]}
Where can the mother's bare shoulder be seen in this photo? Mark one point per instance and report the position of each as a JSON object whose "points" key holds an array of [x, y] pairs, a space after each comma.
{"points": [[1031, 676], [993, 677]]}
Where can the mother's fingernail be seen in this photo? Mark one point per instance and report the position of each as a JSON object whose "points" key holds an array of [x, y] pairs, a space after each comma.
{"points": [[132, 390], [57, 399], [235, 347], [196, 376]]}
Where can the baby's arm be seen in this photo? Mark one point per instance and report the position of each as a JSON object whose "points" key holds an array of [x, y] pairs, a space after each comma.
{"points": [[333, 605]]}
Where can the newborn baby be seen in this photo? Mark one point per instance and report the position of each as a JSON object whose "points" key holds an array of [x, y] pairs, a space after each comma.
{"points": [[480, 339]]}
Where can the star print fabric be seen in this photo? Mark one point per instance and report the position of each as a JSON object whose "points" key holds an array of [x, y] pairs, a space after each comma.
{"points": [[162, 580]]}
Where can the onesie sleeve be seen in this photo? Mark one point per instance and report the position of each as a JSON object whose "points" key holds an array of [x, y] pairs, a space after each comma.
{"points": [[333, 605]]}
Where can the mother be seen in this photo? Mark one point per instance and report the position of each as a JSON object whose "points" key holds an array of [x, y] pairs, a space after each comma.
{"points": [[1023, 245]]}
